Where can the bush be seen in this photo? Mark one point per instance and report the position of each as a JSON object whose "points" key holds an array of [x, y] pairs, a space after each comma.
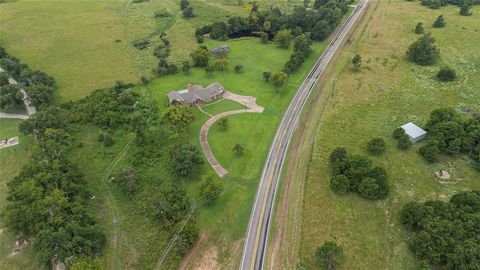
{"points": [[430, 151], [141, 44], [339, 184], [439, 22], [186, 160], [238, 68], [398, 133], [211, 187], [264, 37], [446, 74], [376, 146], [199, 39], [329, 255], [419, 28], [404, 142], [267, 75]]}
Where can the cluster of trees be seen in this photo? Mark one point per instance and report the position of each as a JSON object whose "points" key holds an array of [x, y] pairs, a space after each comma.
{"points": [[48, 201], [301, 50], [186, 8], [319, 22], [445, 234], [277, 79], [39, 86], [403, 140], [465, 5], [355, 173], [423, 51], [450, 133]]}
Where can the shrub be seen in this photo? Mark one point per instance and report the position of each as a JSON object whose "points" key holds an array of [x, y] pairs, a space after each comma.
{"points": [[446, 74], [339, 184], [238, 68], [211, 187], [439, 22], [267, 75], [141, 44], [398, 133], [419, 28], [264, 37], [376, 146], [430, 151], [404, 142], [186, 160], [328, 255], [423, 52]]}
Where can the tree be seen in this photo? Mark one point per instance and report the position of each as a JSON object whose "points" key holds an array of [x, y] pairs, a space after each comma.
{"points": [[306, 3], [419, 28], [264, 37], [423, 52], [404, 142], [439, 22], [10, 95], [301, 45], [199, 39], [267, 26], [328, 255], [376, 146], [211, 187], [357, 62], [186, 160], [40, 95], [283, 38], [279, 79], [184, 4], [30, 77], [186, 67], [321, 30], [267, 75], [340, 183], [398, 133], [188, 12], [465, 9], [178, 118], [446, 74], [238, 149], [221, 64], [238, 68], [430, 151], [318, 3], [209, 69], [200, 57], [4, 79], [223, 122]]}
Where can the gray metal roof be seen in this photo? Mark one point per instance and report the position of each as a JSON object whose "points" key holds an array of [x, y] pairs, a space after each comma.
{"points": [[197, 92], [413, 131]]}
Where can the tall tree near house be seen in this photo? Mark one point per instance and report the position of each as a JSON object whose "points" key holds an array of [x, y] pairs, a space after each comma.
{"points": [[178, 119]]}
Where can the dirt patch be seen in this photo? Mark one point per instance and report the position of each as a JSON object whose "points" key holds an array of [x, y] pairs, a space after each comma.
{"points": [[19, 246], [442, 174], [196, 259]]}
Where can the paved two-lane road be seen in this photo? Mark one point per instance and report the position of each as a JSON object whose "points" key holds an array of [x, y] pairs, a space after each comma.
{"points": [[257, 234]]}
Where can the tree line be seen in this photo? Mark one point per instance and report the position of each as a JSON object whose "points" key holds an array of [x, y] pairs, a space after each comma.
{"points": [[39, 86]]}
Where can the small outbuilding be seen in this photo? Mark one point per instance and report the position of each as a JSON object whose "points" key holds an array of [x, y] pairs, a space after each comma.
{"points": [[220, 51], [415, 132]]}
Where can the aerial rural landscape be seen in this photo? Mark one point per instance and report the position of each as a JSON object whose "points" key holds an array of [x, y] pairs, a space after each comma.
{"points": [[238, 134]]}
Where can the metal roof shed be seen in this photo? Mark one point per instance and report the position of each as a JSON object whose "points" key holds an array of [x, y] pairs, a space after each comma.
{"points": [[415, 132]]}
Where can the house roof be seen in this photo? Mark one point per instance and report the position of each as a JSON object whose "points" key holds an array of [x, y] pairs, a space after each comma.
{"points": [[221, 49], [413, 131], [197, 92]]}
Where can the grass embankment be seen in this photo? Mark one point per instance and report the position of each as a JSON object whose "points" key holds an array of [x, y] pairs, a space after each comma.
{"points": [[11, 160], [387, 92]]}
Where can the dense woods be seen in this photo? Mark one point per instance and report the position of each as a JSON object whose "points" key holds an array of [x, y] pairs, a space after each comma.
{"points": [[445, 234]]}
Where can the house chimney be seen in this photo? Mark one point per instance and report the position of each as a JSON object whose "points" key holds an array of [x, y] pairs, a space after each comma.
{"points": [[189, 87]]}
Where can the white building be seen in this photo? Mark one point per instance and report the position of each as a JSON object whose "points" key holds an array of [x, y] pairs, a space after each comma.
{"points": [[415, 132]]}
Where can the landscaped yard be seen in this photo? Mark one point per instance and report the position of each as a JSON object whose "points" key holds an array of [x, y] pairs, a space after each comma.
{"points": [[388, 92]]}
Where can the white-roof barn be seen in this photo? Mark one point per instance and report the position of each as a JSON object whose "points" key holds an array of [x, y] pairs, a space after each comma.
{"points": [[415, 132]]}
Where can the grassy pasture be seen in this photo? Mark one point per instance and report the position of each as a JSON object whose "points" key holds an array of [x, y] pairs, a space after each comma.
{"points": [[387, 92]]}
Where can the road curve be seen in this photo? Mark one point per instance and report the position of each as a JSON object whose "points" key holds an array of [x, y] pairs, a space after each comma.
{"points": [[257, 235]]}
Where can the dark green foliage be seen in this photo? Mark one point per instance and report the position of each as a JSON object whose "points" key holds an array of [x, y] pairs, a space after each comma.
{"points": [[238, 68], [321, 30], [186, 67], [223, 122], [128, 181], [398, 133], [329, 255], [264, 37], [10, 95], [188, 12], [279, 79], [465, 9], [356, 174], [171, 205], [199, 39], [445, 234], [4, 79], [267, 75], [200, 57], [238, 149], [404, 142], [376, 146], [184, 4], [141, 44], [211, 187], [283, 38], [40, 95], [430, 151], [106, 139], [31, 77], [439, 22], [301, 50], [454, 134], [186, 160], [178, 119], [356, 62], [446, 74], [423, 52], [419, 28], [219, 30]]}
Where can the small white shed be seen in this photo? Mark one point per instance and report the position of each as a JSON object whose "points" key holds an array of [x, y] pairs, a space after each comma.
{"points": [[415, 132]]}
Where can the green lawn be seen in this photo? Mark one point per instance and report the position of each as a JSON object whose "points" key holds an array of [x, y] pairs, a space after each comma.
{"points": [[222, 105], [11, 161], [386, 93]]}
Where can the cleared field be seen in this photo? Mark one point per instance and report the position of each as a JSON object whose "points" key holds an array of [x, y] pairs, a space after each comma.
{"points": [[387, 92]]}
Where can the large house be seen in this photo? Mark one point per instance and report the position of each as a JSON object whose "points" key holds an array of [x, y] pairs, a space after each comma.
{"points": [[196, 94]]}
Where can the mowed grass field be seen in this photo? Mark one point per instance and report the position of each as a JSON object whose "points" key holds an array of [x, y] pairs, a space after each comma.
{"points": [[388, 92]]}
